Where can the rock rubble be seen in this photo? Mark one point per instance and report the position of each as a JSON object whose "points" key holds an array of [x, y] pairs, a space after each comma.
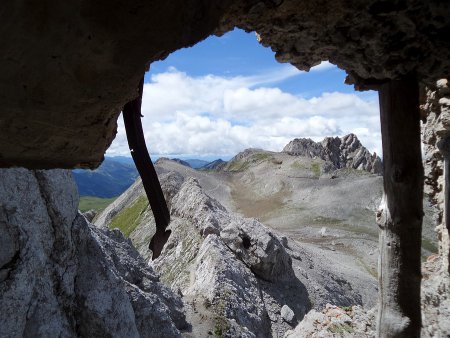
{"points": [[227, 263], [336, 322]]}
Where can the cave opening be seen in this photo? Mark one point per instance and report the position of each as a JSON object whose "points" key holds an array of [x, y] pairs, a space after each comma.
{"points": [[58, 98]]}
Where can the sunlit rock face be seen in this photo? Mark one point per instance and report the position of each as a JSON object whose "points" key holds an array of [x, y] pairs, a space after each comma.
{"points": [[61, 276], [69, 68]]}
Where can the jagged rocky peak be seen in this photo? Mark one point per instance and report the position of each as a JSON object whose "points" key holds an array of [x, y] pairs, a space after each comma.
{"points": [[339, 152]]}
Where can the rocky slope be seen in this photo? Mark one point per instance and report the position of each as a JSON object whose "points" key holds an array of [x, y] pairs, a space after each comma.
{"points": [[344, 152], [336, 322], [60, 276], [235, 275], [319, 249]]}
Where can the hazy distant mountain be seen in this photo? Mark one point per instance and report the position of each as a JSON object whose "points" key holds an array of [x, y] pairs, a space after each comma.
{"points": [[196, 163], [122, 159], [214, 165], [183, 162], [111, 179]]}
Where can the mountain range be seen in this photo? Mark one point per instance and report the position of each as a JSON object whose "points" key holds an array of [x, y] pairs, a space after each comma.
{"points": [[111, 179], [116, 174], [260, 240]]}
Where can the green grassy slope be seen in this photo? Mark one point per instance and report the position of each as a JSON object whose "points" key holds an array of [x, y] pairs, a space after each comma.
{"points": [[128, 219], [92, 202]]}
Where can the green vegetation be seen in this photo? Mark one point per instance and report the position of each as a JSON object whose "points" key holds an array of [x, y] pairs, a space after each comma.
{"points": [[373, 272], [315, 167], [218, 332], [351, 171], [325, 220], [128, 219], [237, 165], [221, 327], [259, 157], [429, 245], [341, 225], [244, 163], [298, 165], [94, 203], [335, 328]]}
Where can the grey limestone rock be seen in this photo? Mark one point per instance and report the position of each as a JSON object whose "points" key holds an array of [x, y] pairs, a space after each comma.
{"points": [[60, 276], [228, 269], [90, 215], [259, 249], [336, 322], [287, 314], [205, 212], [344, 152]]}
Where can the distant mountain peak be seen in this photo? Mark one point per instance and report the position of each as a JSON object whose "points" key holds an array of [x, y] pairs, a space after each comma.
{"points": [[214, 165], [339, 152]]}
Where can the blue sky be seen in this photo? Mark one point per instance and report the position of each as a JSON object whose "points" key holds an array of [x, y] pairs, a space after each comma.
{"points": [[239, 53], [229, 93]]}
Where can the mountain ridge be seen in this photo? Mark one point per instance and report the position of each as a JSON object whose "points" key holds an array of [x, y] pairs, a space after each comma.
{"points": [[338, 152], [111, 179]]}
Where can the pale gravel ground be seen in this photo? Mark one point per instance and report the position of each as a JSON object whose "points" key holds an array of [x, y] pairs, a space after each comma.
{"points": [[286, 194], [239, 191]]}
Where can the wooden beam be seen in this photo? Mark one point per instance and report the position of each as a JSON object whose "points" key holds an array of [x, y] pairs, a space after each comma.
{"points": [[401, 211], [136, 142]]}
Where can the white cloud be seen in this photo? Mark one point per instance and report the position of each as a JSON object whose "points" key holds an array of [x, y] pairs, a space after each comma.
{"points": [[217, 115], [324, 65]]}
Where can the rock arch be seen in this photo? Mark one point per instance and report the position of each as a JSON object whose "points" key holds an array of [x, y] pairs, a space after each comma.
{"points": [[69, 68]]}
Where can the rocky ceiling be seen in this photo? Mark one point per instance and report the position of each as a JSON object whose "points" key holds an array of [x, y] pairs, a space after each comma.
{"points": [[68, 67]]}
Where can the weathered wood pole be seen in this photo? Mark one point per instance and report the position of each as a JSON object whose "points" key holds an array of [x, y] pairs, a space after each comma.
{"points": [[136, 142], [401, 211]]}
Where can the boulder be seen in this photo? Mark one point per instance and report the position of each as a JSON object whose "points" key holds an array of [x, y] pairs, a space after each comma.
{"points": [[287, 314], [259, 249]]}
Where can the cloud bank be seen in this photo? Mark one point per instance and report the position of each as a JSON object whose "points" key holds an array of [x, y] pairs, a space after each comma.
{"points": [[220, 116]]}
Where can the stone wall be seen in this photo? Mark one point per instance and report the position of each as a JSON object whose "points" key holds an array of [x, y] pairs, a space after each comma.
{"points": [[436, 280]]}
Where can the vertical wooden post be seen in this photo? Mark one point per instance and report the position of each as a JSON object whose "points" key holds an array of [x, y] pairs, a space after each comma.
{"points": [[401, 211]]}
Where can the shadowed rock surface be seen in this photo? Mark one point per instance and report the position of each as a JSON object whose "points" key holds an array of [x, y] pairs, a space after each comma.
{"points": [[70, 67], [60, 276]]}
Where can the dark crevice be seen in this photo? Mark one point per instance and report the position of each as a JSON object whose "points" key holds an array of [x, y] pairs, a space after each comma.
{"points": [[246, 242], [10, 266]]}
